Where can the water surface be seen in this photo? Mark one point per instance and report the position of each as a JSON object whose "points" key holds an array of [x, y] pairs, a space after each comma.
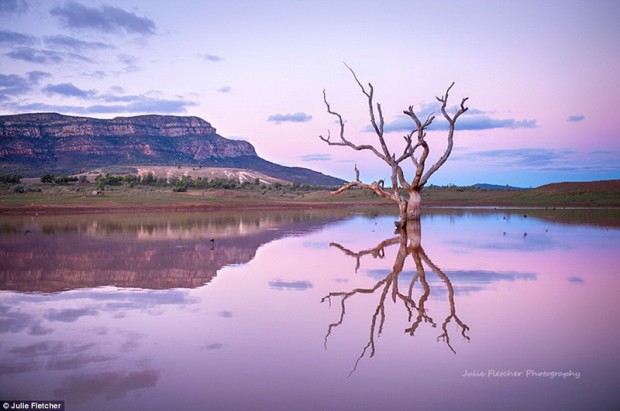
{"points": [[491, 309]]}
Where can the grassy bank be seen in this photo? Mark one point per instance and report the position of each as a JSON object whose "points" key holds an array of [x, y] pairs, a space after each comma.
{"points": [[590, 194], [80, 198]]}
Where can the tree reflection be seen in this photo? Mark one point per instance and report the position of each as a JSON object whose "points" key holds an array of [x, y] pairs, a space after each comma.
{"points": [[409, 243]]}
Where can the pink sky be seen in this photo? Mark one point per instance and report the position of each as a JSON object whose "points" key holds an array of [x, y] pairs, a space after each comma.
{"points": [[541, 77]]}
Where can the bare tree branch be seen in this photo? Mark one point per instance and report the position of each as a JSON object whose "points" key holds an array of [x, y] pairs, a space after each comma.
{"points": [[409, 208], [374, 186], [452, 122], [343, 140], [370, 97]]}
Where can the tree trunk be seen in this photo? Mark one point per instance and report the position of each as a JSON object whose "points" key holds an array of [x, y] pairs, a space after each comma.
{"points": [[414, 205], [409, 209]]}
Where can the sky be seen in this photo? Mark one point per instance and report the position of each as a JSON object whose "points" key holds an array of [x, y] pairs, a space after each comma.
{"points": [[541, 76]]}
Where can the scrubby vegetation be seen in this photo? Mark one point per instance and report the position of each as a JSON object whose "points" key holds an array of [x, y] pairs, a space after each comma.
{"points": [[49, 178], [149, 190], [184, 183], [10, 178]]}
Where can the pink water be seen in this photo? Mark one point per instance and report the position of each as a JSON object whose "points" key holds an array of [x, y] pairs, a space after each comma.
{"points": [[190, 312]]}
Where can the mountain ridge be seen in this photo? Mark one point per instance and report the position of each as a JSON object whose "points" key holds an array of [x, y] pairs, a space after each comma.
{"points": [[35, 143]]}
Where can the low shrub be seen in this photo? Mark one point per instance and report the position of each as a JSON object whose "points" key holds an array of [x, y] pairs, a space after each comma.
{"points": [[24, 188]]}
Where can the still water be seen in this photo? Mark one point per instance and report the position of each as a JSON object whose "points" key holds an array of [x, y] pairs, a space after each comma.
{"points": [[312, 310]]}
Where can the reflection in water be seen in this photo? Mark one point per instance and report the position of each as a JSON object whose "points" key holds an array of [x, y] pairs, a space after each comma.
{"points": [[109, 385], [146, 312], [185, 251], [409, 242]]}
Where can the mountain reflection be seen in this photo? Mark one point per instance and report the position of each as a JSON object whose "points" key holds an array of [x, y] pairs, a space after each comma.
{"points": [[52, 254], [409, 243]]}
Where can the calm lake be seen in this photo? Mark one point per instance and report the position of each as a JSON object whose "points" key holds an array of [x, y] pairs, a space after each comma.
{"points": [[312, 310]]}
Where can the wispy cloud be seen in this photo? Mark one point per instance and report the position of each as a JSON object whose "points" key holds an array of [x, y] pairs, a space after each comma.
{"points": [[74, 44], [575, 280], [68, 90], [225, 89], [487, 123], [13, 6], [133, 104], [36, 76], [476, 120], [316, 157], [105, 19], [37, 56], [129, 62], [15, 90], [523, 157], [12, 38], [602, 152], [574, 118], [543, 160], [290, 118], [14, 85], [127, 59], [210, 57]]}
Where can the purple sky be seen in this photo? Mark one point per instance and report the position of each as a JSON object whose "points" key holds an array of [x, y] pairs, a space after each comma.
{"points": [[541, 76]]}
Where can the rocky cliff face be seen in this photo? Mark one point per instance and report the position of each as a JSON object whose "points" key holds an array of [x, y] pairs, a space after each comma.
{"points": [[32, 144], [54, 138], [59, 126]]}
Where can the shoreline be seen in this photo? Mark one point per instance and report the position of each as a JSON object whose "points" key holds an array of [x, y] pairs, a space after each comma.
{"points": [[79, 199], [145, 207]]}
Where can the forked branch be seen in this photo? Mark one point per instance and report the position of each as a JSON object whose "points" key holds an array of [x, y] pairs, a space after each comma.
{"points": [[343, 139], [451, 126], [406, 193]]}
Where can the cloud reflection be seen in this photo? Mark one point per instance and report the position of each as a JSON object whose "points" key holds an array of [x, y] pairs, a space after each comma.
{"points": [[290, 285], [463, 281], [78, 389], [519, 241], [12, 321], [69, 315]]}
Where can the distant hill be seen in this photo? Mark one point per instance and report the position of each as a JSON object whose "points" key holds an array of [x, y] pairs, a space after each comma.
{"points": [[36, 143], [494, 187], [569, 194], [591, 187]]}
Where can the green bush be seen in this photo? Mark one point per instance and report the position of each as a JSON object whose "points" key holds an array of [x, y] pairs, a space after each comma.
{"points": [[149, 179], [64, 180], [10, 178], [108, 180], [130, 179], [47, 178]]}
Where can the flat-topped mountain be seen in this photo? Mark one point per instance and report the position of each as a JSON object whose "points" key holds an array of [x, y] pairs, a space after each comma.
{"points": [[36, 143]]}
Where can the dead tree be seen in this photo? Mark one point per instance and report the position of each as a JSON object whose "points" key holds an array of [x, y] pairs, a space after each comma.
{"points": [[416, 150]]}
